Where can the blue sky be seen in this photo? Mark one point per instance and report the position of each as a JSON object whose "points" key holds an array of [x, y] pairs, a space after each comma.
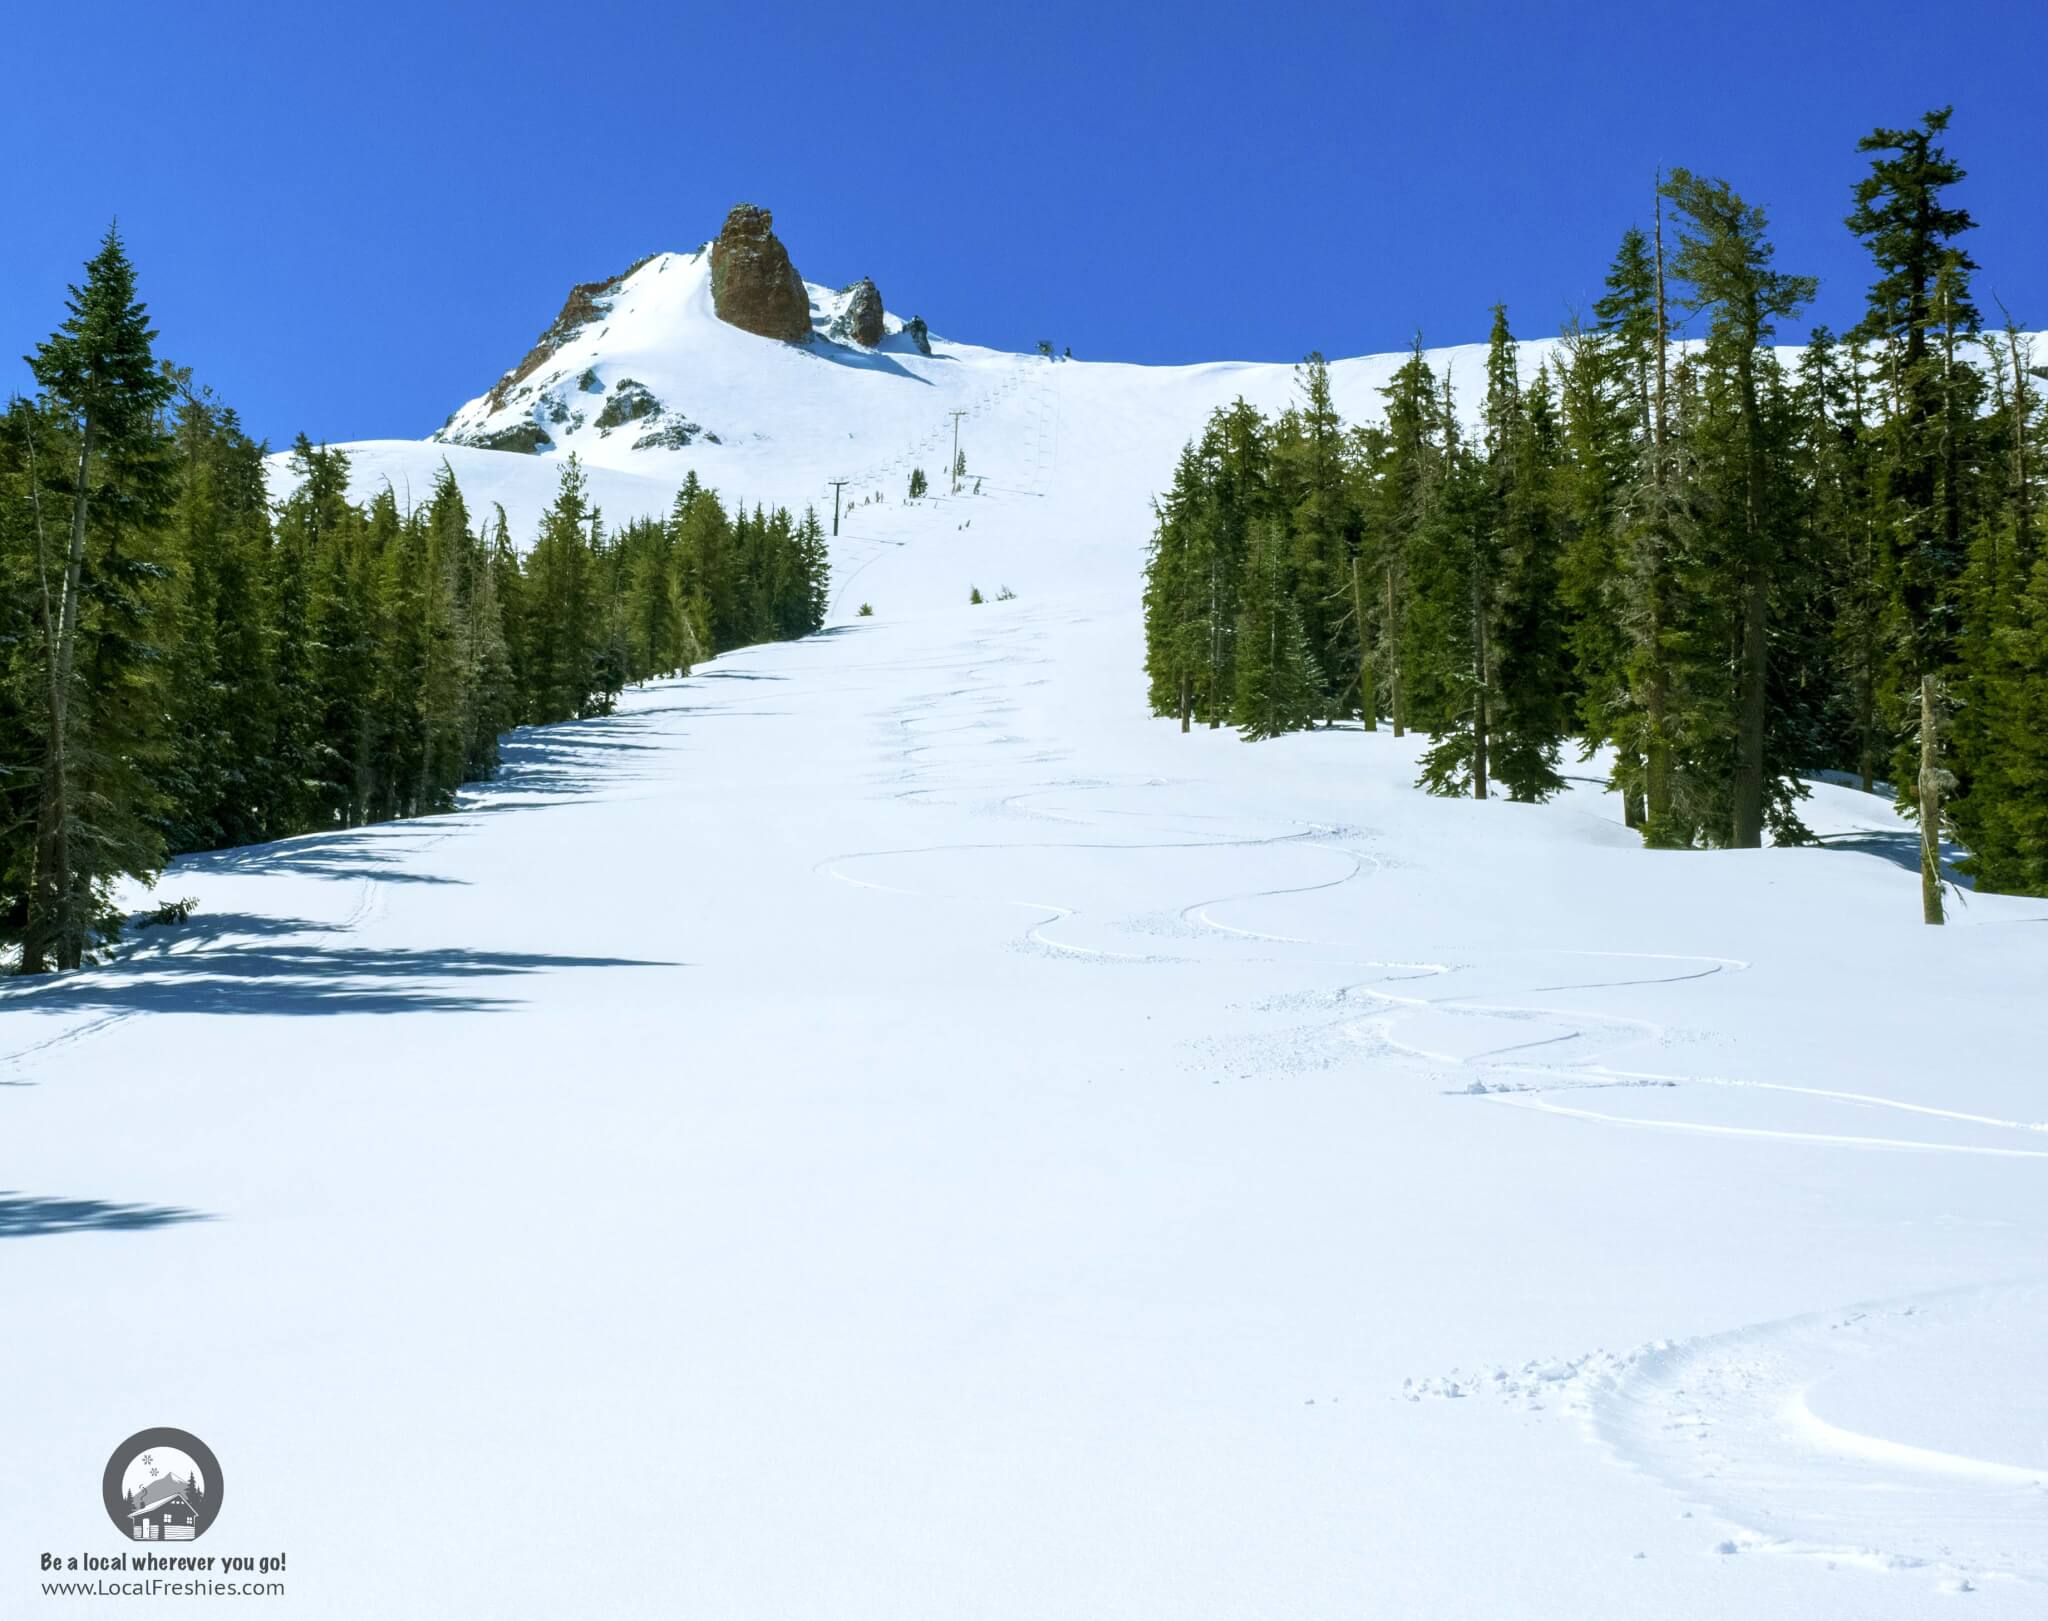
{"points": [[349, 220]]}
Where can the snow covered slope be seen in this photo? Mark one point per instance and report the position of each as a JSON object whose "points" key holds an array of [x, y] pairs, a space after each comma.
{"points": [[640, 379], [882, 1128], [643, 382], [643, 363]]}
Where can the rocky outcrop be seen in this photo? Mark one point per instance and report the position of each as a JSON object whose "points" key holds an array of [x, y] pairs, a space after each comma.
{"points": [[528, 438], [674, 433], [860, 319], [753, 285], [587, 301], [630, 401]]}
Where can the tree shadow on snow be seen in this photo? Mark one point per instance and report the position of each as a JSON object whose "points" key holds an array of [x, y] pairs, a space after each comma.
{"points": [[27, 1216], [556, 765], [362, 852], [232, 962], [1901, 849]]}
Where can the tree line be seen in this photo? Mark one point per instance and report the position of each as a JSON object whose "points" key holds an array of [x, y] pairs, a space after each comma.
{"points": [[1726, 568], [187, 665]]}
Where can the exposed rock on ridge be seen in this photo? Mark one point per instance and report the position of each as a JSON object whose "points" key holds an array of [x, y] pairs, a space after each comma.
{"points": [[587, 301], [861, 320], [753, 285]]}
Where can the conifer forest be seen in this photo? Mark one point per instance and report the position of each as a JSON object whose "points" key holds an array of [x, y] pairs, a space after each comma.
{"points": [[185, 665], [1716, 564]]}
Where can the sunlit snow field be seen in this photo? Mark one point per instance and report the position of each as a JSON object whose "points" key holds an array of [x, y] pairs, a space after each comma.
{"points": [[882, 1128]]}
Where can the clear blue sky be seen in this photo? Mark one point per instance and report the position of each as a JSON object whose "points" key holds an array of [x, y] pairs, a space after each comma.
{"points": [[350, 219]]}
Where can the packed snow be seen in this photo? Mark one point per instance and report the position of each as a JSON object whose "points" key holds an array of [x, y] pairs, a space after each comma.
{"points": [[884, 1128]]}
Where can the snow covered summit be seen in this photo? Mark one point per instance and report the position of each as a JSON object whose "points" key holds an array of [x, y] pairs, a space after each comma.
{"points": [[643, 363]]}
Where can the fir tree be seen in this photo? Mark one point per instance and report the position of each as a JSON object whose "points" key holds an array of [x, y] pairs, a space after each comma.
{"points": [[1276, 676], [1533, 704], [103, 393], [1919, 300], [1725, 257]]}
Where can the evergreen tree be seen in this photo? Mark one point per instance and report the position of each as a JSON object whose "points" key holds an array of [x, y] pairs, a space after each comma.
{"points": [[1725, 257], [1918, 302], [1276, 675], [813, 594], [1313, 488], [1408, 465], [1600, 419], [2001, 811], [1533, 704], [223, 642], [105, 470], [1177, 595], [493, 686], [561, 624], [1454, 556]]}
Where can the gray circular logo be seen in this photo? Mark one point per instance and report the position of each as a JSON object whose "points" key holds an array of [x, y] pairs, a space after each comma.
{"points": [[162, 1485]]}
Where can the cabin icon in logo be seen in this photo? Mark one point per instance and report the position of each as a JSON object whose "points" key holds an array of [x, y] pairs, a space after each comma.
{"points": [[162, 1485], [167, 1509]]}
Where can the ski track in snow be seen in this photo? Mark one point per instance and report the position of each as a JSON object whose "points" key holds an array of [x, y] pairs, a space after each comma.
{"points": [[1729, 1422], [1496, 1074], [1722, 1421]]}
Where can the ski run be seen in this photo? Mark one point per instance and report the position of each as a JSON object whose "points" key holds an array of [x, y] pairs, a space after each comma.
{"points": [[881, 1128]]}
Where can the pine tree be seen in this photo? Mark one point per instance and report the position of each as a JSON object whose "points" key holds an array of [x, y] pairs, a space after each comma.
{"points": [[1652, 515], [1276, 675], [1600, 416], [1618, 572], [1177, 594], [561, 614], [493, 688], [1313, 488], [2001, 810], [1918, 302], [1454, 554], [1407, 465], [813, 576], [223, 643], [1236, 454], [1838, 449], [103, 393], [27, 440], [1725, 256], [1533, 705], [446, 660]]}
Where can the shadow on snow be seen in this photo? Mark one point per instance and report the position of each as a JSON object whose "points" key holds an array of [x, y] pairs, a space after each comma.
{"points": [[1901, 849], [26, 1216], [229, 962], [359, 852]]}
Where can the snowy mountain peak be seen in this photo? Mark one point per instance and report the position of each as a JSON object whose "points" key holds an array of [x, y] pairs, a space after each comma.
{"points": [[682, 349]]}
